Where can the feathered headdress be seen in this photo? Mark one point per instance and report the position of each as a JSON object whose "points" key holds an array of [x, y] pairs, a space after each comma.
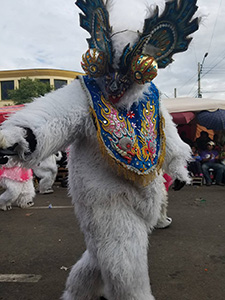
{"points": [[162, 36]]}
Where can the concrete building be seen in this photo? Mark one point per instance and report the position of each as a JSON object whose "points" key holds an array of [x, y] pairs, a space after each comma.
{"points": [[9, 80]]}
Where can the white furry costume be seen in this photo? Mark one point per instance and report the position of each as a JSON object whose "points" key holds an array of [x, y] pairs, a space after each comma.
{"points": [[47, 171], [18, 185], [115, 214]]}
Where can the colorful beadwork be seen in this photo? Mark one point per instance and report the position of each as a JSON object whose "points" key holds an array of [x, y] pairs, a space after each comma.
{"points": [[144, 68], [134, 139], [93, 63]]}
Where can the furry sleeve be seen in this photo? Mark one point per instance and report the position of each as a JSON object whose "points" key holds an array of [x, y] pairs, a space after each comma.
{"points": [[55, 121], [178, 153]]}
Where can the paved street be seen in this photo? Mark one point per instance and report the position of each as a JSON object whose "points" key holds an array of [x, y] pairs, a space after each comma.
{"points": [[186, 261]]}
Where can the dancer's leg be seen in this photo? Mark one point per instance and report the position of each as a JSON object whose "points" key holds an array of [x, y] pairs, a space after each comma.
{"points": [[84, 281]]}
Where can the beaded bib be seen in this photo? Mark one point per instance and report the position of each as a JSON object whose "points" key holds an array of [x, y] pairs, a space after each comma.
{"points": [[133, 140]]}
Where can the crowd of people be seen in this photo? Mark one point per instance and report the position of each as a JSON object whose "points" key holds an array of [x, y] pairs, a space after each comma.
{"points": [[208, 158]]}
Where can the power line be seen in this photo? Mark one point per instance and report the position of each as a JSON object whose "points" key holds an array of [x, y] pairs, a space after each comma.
{"points": [[207, 69], [181, 86], [214, 92], [214, 26], [213, 67], [216, 58], [192, 88]]}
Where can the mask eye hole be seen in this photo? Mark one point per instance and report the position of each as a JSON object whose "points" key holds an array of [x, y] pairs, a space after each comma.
{"points": [[93, 68], [107, 77], [143, 68], [138, 75], [94, 63]]}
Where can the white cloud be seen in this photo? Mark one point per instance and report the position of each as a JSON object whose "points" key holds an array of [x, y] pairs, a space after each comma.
{"points": [[46, 34]]}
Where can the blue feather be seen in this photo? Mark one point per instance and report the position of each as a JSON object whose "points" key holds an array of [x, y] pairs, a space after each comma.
{"points": [[95, 20]]}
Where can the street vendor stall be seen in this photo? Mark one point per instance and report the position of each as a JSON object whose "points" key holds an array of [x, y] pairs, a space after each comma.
{"points": [[193, 115]]}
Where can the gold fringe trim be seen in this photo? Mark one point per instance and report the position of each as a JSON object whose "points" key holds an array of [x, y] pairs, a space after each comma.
{"points": [[120, 168]]}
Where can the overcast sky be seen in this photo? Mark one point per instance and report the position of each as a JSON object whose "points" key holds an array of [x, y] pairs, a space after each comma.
{"points": [[46, 34]]}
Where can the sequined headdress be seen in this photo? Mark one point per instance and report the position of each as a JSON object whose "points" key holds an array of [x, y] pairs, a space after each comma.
{"points": [[162, 36]]}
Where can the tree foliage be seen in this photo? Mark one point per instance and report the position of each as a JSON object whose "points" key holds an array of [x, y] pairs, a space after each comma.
{"points": [[28, 90]]}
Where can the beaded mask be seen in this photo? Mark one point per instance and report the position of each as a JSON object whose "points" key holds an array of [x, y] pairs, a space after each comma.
{"points": [[161, 38]]}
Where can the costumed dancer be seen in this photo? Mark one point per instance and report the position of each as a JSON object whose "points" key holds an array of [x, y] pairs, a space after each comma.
{"points": [[46, 172], [120, 138], [18, 185]]}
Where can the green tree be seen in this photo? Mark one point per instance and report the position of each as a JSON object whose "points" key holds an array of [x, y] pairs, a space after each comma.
{"points": [[28, 90]]}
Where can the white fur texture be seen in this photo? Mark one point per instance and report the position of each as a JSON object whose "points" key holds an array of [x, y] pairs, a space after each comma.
{"points": [[47, 171], [17, 193], [177, 152], [162, 220]]}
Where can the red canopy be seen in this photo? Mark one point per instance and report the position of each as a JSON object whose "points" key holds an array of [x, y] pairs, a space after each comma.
{"points": [[5, 111], [183, 117]]}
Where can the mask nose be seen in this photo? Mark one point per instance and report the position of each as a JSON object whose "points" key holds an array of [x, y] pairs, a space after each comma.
{"points": [[113, 86]]}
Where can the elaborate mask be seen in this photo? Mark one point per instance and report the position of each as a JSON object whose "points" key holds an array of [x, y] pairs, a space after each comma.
{"points": [[161, 38]]}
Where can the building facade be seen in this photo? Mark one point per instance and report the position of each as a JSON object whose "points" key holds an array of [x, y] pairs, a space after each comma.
{"points": [[9, 80]]}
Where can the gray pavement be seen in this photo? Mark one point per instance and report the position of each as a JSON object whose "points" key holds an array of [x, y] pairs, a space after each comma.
{"points": [[186, 260]]}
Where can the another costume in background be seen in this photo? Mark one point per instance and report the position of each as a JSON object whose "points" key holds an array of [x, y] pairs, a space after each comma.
{"points": [[46, 172], [121, 138], [63, 164], [18, 185]]}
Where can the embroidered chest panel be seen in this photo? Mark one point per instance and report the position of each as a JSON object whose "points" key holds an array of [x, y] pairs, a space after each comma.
{"points": [[134, 138]]}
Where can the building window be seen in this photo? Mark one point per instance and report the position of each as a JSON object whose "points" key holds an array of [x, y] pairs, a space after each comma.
{"points": [[58, 83], [5, 87], [45, 80]]}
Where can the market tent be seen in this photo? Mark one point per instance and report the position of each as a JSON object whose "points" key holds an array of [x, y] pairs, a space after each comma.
{"points": [[185, 104], [183, 117], [5, 111], [184, 111]]}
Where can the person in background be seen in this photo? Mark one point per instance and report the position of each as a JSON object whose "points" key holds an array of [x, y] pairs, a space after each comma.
{"points": [[222, 160], [209, 160], [218, 145], [185, 139], [195, 166], [222, 155], [202, 141]]}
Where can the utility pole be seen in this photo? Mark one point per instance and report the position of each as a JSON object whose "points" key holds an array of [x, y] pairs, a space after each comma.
{"points": [[175, 93], [199, 75], [199, 80]]}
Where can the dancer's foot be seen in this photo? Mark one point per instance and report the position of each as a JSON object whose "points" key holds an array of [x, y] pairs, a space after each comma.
{"points": [[164, 223], [48, 191], [26, 205], [178, 185], [6, 207]]}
